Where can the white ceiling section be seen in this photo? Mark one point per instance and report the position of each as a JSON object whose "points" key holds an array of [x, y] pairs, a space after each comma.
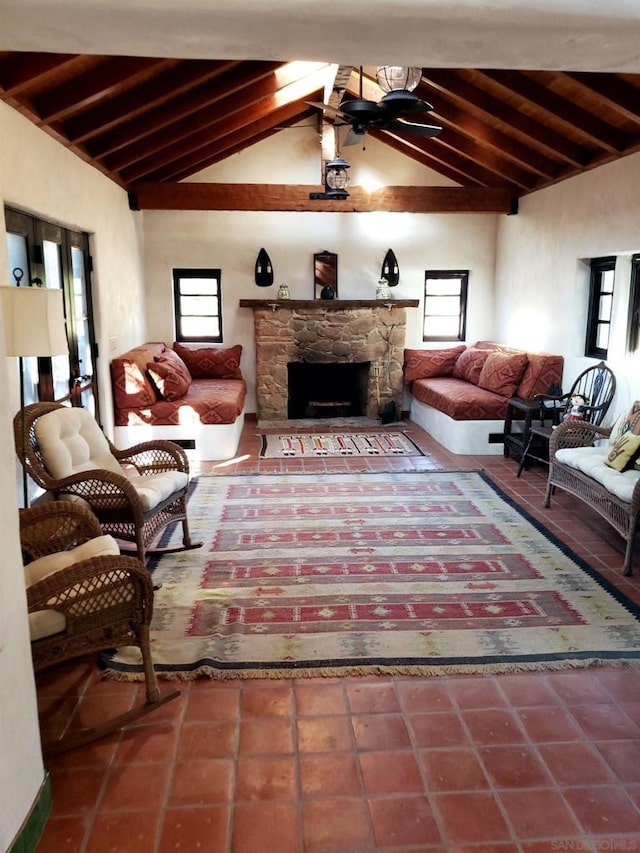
{"points": [[578, 35]]}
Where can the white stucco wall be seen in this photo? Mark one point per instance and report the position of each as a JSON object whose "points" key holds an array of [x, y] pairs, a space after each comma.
{"points": [[232, 240], [40, 176], [543, 255]]}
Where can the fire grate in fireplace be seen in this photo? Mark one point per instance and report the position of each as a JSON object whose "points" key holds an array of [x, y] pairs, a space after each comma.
{"points": [[325, 390]]}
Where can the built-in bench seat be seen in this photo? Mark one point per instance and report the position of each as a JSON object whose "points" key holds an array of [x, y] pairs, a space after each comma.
{"points": [[459, 395], [194, 395]]}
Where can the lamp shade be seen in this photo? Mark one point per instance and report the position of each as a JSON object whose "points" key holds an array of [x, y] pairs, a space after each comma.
{"points": [[33, 319]]}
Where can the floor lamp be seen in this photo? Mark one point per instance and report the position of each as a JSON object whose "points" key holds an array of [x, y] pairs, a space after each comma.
{"points": [[33, 320]]}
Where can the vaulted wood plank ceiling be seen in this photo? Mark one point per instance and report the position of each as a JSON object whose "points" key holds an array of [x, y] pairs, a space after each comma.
{"points": [[145, 120]]}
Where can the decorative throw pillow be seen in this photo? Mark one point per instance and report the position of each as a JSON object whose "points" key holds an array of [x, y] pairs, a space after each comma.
{"points": [[632, 420], [541, 372], [628, 424], [170, 381], [470, 363], [623, 453], [173, 359], [616, 430], [502, 373], [426, 363], [131, 386], [211, 362]]}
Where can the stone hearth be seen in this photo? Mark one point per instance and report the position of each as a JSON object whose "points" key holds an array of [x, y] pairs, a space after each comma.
{"points": [[327, 332]]}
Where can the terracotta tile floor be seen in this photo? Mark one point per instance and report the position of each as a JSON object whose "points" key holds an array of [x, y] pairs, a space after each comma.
{"points": [[527, 762]]}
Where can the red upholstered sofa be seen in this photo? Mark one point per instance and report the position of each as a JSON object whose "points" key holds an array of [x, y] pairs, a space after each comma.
{"points": [[459, 395], [191, 394]]}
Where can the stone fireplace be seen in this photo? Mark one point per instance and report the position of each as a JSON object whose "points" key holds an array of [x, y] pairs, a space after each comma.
{"points": [[328, 332]]}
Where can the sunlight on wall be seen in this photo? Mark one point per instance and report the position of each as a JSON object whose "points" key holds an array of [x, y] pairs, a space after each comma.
{"points": [[530, 328], [391, 227], [368, 180]]}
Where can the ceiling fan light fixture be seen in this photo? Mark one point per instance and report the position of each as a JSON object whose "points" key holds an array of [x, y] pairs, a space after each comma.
{"points": [[336, 178], [393, 78]]}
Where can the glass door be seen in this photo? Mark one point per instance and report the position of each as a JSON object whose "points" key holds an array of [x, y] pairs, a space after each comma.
{"points": [[58, 257]]}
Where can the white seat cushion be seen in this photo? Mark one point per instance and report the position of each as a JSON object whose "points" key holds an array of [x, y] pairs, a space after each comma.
{"points": [[156, 487], [71, 441], [44, 623], [590, 461]]}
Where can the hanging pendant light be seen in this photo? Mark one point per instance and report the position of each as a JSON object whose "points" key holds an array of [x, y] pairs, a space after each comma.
{"points": [[336, 178]]}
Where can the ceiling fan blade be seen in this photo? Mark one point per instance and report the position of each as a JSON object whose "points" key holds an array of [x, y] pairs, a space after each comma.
{"points": [[401, 126], [400, 102], [363, 111]]}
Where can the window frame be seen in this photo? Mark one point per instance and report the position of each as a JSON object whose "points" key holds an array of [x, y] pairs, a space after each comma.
{"points": [[463, 276], [599, 266], [633, 322], [181, 273]]}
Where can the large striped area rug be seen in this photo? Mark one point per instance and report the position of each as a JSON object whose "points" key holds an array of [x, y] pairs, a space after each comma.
{"points": [[331, 574]]}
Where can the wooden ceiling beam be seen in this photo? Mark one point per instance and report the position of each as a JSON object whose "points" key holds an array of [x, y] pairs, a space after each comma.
{"points": [[594, 129], [285, 197], [454, 168], [19, 71], [199, 159], [616, 93], [176, 120], [476, 132], [172, 83], [241, 144], [491, 161], [106, 80], [484, 134], [477, 100], [220, 125]]}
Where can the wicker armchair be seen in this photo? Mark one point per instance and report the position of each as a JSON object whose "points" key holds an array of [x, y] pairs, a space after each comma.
{"points": [[135, 493], [620, 513], [84, 597]]}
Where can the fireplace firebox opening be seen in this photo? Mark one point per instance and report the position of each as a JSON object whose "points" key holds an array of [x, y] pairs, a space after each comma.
{"points": [[325, 390]]}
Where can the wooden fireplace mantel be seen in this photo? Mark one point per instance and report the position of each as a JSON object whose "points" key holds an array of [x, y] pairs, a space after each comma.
{"points": [[327, 304]]}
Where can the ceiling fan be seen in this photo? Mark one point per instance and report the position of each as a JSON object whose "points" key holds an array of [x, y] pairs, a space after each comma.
{"points": [[389, 113]]}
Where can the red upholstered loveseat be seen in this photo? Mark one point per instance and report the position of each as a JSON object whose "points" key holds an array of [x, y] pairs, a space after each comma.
{"points": [[191, 394], [460, 394]]}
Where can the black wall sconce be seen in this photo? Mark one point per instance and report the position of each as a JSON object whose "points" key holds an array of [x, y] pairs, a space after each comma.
{"points": [[336, 181], [264, 269], [390, 269]]}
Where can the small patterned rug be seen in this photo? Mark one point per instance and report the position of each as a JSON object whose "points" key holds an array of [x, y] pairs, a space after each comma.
{"points": [[347, 574], [337, 444]]}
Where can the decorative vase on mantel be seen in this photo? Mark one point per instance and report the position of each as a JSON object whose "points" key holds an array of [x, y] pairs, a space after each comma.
{"points": [[383, 291]]}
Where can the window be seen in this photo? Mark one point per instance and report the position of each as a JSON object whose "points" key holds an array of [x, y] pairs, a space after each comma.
{"points": [[600, 306], [445, 305], [197, 301], [633, 330]]}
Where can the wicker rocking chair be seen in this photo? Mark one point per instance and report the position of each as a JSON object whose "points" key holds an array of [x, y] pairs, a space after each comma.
{"points": [[84, 597], [135, 493]]}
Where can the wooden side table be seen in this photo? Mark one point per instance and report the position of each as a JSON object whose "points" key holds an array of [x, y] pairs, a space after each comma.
{"points": [[521, 411]]}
